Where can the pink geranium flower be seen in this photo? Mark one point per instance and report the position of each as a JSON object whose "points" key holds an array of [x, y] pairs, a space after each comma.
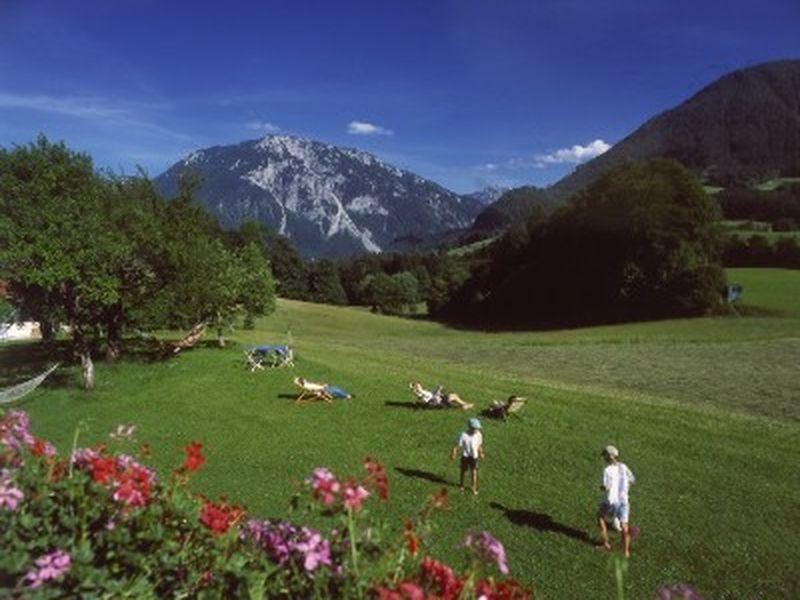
{"points": [[10, 496], [49, 566], [488, 549], [324, 485], [354, 495]]}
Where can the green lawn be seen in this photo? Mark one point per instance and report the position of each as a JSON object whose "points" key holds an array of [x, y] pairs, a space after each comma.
{"points": [[704, 411]]}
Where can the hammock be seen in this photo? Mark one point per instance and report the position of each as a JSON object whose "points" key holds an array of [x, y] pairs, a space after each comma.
{"points": [[15, 392], [191, 338]]}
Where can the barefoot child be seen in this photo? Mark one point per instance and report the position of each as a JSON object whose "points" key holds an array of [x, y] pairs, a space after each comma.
{"points": [[617, 479], [470, 445]]}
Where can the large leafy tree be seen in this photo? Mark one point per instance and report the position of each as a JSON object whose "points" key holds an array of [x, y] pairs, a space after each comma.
{"points": [[640, 242], [103, 254], [206, 281], [57, 250]]}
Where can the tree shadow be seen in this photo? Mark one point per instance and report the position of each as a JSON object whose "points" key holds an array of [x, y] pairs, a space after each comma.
{"points": [[541, 522], [426, 475], [23, 361]]}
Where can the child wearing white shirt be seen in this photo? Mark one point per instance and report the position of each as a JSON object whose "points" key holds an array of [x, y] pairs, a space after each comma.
{"points": [[617, 480], [470, 445]]}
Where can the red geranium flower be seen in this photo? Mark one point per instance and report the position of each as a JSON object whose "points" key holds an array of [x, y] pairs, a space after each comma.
{"points": [[411, 539], [220, 517], [194, 457], [441, 578], [377, 477]]}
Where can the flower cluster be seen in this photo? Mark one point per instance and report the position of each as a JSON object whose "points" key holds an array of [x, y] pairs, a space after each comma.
{"points": [[377, 478], [324, 486], [10, 495], [15, 436], [49, 566], [194, 457], [286, 544], [327, 489], [510, 589], [353, 495], [488, 549], [435, 580], [219, 518], [440, 579], [131, 483]]}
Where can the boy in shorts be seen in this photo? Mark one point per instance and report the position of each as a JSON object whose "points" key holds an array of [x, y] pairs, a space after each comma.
{"points": [[617, 479], [470, 446]]}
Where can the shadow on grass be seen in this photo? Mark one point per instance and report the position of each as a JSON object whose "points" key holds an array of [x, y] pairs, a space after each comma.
{"points": [[417, 406], [406, 405], [541, 522], [23, 361], [426, 475]]}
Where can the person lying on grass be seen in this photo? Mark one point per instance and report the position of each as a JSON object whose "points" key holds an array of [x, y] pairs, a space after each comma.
{"points": [[439, 398], [470, 446], [323, 390], [500, 409], [617, 479]]}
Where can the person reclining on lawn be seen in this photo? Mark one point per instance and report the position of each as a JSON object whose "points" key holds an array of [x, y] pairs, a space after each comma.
{"points": [[501, 409], [437, 399], [321, 390]]}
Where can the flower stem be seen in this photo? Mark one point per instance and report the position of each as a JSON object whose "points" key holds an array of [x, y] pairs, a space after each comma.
{"points": [[351, 528]]}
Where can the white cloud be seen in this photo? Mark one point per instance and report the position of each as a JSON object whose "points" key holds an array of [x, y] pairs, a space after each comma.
{"points": [[576, 154], [489, 166], [74, 107], [363, 128], [97, 110], [262, 126]]}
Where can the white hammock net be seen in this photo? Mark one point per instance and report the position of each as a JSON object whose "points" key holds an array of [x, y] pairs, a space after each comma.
{"points": [[15, 392]]}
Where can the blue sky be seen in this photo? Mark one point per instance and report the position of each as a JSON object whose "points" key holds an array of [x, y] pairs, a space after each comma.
{"points": [[465, 92]]}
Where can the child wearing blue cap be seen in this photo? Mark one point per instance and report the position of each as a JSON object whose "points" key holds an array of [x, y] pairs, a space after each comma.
{"points": [[470, 445]]}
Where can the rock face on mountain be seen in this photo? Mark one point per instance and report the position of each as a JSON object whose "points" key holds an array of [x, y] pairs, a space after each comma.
{"points": [[487, 195], [744, 126], [329, 201]]}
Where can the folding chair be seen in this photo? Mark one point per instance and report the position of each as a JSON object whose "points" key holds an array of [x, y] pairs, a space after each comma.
{"points": [[254, 360], [503, 410], [310, 391], [282, 356], [514, 406]]}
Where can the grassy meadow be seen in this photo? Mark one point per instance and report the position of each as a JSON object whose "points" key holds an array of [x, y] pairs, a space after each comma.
{"points": [[706, 412]]}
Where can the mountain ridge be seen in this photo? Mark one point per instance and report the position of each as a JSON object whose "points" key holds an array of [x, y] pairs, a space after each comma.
{"points": [[329, 200], [743, 125]]}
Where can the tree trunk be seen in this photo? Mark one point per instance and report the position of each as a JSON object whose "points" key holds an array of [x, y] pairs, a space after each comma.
{"points": [[114, 336], [87, 370], [220, 338], [48, 332]]}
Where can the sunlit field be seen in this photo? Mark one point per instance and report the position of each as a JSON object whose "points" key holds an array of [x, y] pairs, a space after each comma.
{"points": [[706, 413]]}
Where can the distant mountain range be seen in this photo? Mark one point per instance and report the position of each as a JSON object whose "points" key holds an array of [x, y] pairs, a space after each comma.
{"points": [[329, 201], [332, 201], [743, 127], [487, 195]]}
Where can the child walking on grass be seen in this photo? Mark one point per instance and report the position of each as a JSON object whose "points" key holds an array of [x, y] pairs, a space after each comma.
{"points": [[617, 479], [470, 446]]}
